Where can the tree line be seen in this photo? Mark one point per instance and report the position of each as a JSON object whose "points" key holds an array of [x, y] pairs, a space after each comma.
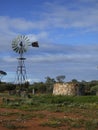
{"points": [[46, 87]]}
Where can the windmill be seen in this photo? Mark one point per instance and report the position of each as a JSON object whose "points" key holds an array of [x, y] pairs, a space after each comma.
{"points": [[20, 45]]}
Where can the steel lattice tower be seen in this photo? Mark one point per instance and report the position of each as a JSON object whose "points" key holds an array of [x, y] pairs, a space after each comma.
{"points": [[21, 71]]}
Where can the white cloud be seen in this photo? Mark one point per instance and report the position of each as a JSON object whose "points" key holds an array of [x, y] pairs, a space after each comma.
{"points": [[65, 58], [15, 23], [55, 16], [40, 36]]}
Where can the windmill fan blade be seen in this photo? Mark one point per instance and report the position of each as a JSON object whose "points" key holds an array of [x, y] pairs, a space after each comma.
{"points": [[25, 37], [16, 49]]}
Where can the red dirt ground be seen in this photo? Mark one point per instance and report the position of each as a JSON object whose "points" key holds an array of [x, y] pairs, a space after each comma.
{"points": [[35, 122], [32, 124]]}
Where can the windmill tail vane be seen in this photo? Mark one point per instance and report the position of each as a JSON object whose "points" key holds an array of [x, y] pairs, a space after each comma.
{"points": [[35, 44]]}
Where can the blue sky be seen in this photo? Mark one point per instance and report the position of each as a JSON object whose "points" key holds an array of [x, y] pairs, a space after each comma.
{"points": [[67, 32]]}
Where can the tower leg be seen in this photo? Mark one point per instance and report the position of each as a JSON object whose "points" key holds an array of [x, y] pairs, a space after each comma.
{"points": [[21, 76]]}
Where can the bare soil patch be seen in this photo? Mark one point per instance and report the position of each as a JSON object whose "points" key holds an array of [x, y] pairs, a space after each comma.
{"points": [[71, 119], [12, 119]]}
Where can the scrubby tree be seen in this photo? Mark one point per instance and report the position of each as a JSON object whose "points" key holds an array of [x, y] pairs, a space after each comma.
{"points": [[49, 83], [39, 87], [60, 78], [2, 73], [94, 90], [74, 80]]}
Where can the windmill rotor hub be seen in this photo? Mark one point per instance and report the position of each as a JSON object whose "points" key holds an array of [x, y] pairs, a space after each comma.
{"points": [[21, 44]]}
